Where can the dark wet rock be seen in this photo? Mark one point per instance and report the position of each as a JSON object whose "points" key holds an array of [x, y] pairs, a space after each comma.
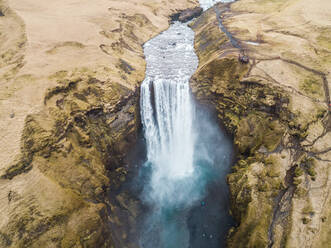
{"points": [[243, 59], [186, 15]]}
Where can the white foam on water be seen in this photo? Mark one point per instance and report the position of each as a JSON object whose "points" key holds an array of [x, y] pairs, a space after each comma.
{"points": [[253, 43], [206, 4]]}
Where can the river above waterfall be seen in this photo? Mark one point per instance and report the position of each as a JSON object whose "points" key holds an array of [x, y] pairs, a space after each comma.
{"points": [[206, 4]]}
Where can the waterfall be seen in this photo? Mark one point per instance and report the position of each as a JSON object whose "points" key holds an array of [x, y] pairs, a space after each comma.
{"points": [[185, 150], [167, 111]]}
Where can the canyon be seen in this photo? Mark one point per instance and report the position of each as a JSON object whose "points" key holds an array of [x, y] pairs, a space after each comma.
{"points": [[69, 116]]}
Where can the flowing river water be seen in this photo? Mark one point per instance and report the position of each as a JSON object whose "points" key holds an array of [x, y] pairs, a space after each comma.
{"points": [[188, 155]]}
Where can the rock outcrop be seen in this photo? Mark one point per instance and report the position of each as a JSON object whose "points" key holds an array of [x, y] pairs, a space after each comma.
{"points": [[69, 72], [187, 14], [276, 104]]}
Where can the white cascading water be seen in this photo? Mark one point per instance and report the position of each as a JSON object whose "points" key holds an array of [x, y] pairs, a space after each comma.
{"points": [[179, 161], [167, 111], [167, 114]]}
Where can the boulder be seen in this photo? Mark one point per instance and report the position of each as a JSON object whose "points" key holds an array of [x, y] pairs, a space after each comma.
{"points": [[187, 14]]}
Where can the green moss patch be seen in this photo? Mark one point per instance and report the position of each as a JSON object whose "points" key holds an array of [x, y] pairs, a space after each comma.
{"points": [[312, 86]]}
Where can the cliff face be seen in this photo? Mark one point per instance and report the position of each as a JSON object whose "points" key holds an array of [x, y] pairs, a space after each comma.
{"points": [[277, 106], [68, 115]]}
